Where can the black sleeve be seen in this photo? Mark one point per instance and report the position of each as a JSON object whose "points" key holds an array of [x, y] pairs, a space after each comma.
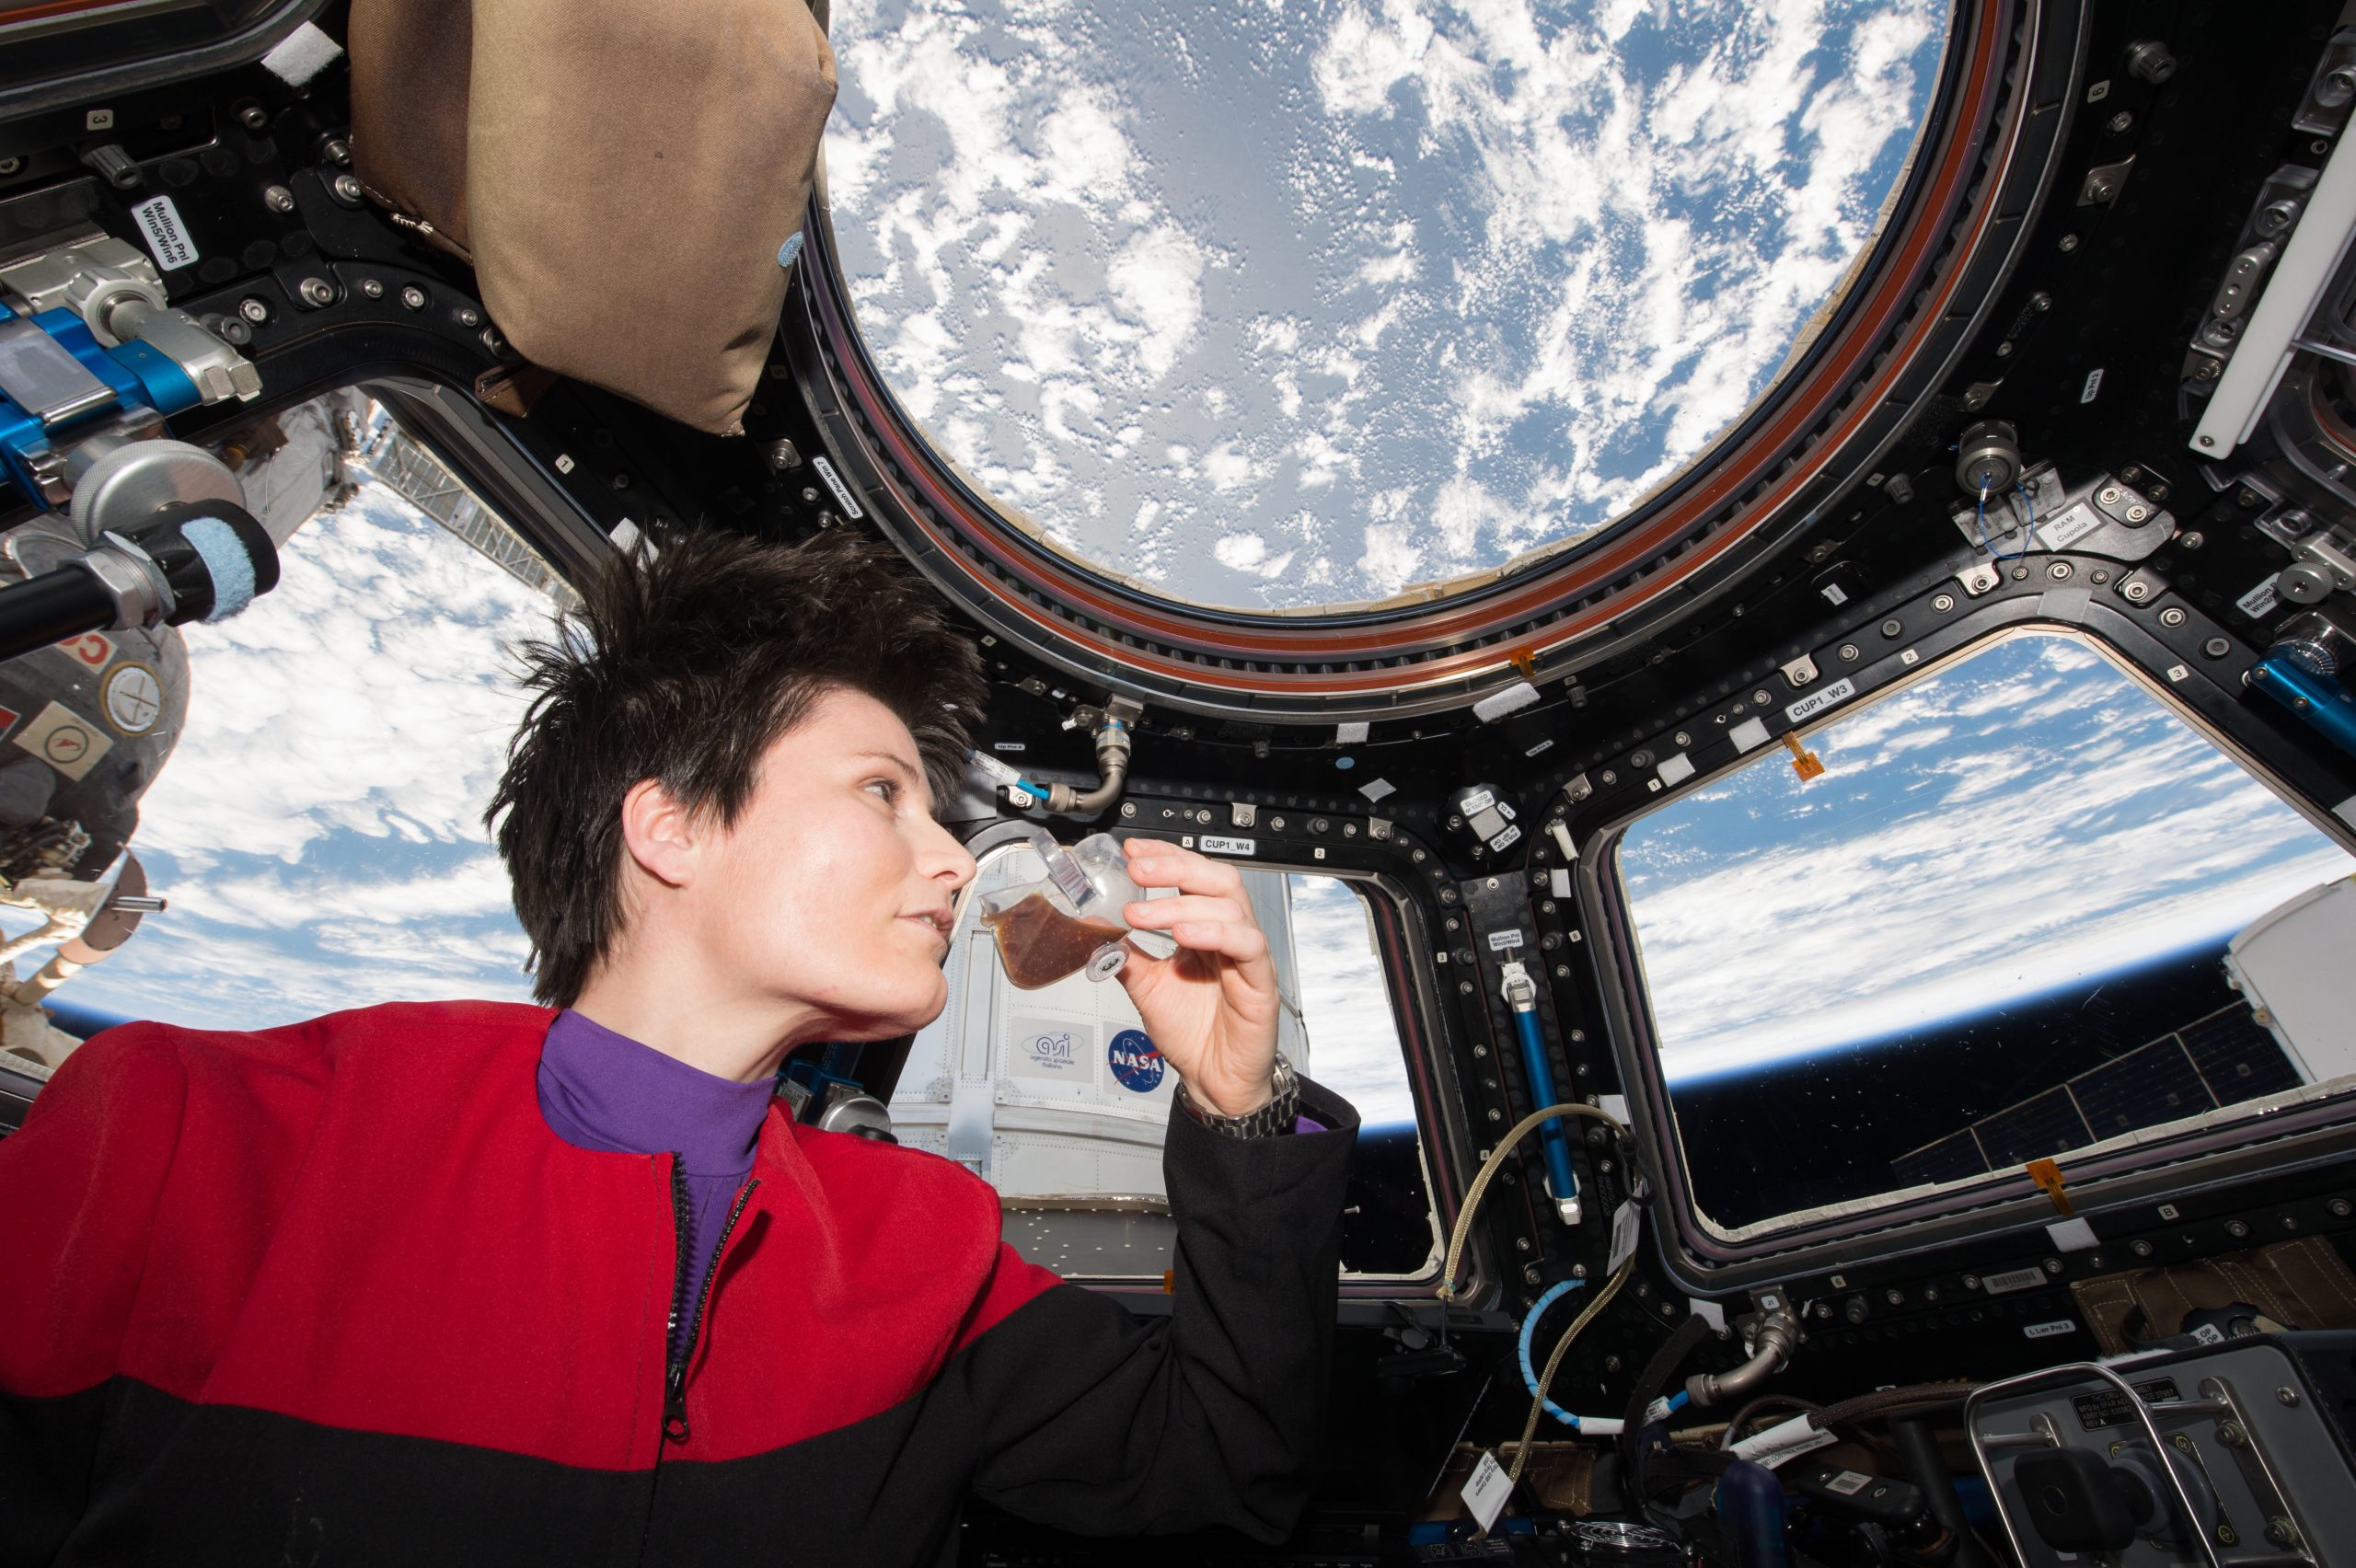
{"points": [[1091, 1420]]}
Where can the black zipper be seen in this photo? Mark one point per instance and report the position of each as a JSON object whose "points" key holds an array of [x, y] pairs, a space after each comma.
{"points": [[674, 1383]]}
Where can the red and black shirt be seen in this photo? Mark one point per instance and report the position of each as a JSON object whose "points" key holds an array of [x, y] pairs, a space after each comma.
{"points": [[335, 1293]]}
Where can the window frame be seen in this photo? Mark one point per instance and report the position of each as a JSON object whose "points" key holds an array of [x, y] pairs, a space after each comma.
{"points": [[1443, 1130], [2227, 1151]]}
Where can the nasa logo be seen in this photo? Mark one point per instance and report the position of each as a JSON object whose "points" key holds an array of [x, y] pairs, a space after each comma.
{"points": [[1052, 1052], [1135, 1064]]}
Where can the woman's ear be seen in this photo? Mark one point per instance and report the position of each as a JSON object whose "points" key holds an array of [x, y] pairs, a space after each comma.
{"points": [[662, 834]]}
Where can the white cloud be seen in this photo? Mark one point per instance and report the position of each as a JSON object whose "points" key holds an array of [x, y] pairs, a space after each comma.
{"points": [[318, 831], [1441, 247], [2064, 824]]}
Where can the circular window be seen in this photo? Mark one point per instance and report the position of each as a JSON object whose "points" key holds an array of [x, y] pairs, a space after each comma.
{"points": [[1275, 306]]}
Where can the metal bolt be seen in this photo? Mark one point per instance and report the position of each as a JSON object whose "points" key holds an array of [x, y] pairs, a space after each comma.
{"points": [[2118, 122], [1893, 629], [1529, 1274], [2227, 1535], [2171, 616], [2149, 60], [2183, 1444], [1850, 652], [2069, 243], [2341, 1208], [493, 341], [254, 310], [252, 118], [2237, 1229], [2004, 350], [1971, 1282], [2279, 1533], [10, 165], [469, 319], [1128, 808], [2231, 1435], [230, 329], [2138, 511], [337, 151], [279, 199], [2053, 1265], [2100, 189], [2137, 591], [2099, 576], [2109, 495], [413, 297], [347, 190], [2059, 572], [2287, 1397], [1611, 1363], [1944, 603], [2216, 648], [318, 292], [374, 288], [2140, 1249], [1578, 1271]]}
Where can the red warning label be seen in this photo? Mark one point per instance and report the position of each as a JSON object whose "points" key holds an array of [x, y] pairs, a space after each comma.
{"points": [[92, 648]]}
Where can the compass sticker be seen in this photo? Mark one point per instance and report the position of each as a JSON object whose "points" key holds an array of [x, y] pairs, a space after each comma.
{"points": [[134, 699], [65, 740]]}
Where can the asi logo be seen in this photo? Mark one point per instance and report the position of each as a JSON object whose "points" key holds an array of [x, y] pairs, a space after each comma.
{"points": [[1135, 1063], [1052, 1052]]}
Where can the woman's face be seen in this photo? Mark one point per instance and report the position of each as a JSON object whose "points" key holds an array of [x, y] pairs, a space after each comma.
{"points": [[834, 887]]}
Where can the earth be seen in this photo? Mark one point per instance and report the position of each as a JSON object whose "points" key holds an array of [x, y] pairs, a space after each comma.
{"points": [[1279, 303]]}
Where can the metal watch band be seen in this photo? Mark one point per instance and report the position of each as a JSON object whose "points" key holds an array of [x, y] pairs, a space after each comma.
{"points": [[1276, 1116]]}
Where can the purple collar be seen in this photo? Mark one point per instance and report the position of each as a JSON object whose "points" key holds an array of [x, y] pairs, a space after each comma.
{"points": [[603, 1091]]}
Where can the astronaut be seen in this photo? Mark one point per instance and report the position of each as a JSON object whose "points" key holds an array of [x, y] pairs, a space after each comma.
{"points": [[478, 1282]]}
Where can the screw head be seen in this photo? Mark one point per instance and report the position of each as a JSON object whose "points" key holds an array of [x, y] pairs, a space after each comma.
{"points": [[254, 310], [347, 190], [2118, 122], [2171, 616], [252, 118], [318, 292], [2059, 572], [469, 319], [2069, 243], [337, 151], [372, 288], [278, 199], [1944, 603], [2137, 591], [2287, 1397], [413, 297], [2279, 1533], [2227, 1535], [10, 165]]}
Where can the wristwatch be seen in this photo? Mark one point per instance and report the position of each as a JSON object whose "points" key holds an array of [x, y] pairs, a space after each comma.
{"points": [[1276, 1116]]}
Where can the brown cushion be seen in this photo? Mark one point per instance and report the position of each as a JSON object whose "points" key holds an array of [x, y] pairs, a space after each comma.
{"points": [[621, 173]]}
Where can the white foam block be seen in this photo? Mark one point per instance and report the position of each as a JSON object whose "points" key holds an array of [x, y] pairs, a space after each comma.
{"points": [[301, 55]]}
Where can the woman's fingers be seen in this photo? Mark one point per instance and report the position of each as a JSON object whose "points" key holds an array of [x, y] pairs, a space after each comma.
{"points": [[1244, 943], [1160, 913], [1155, 864]]}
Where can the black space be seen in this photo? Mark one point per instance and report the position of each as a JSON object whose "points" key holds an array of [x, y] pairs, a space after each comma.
{"points": [[1826, 1129]]}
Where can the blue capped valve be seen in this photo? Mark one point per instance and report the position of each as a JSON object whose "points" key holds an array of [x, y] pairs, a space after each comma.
{"points": [[1562, 1180]]}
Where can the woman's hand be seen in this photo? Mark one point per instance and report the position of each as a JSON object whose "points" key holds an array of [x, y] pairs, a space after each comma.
{"points": [[1210, 1007]]}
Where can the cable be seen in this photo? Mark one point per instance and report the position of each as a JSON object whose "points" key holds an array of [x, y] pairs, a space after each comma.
{"points": [[1594, 1426], [1740, 1418], [1546, 1378], [1480, 1187]]}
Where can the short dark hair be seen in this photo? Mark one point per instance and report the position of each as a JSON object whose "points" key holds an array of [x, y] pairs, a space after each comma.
{"points": [[684, 664]]}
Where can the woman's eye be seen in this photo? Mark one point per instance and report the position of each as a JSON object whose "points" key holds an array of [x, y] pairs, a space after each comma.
{"points": [[889, 789]]}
